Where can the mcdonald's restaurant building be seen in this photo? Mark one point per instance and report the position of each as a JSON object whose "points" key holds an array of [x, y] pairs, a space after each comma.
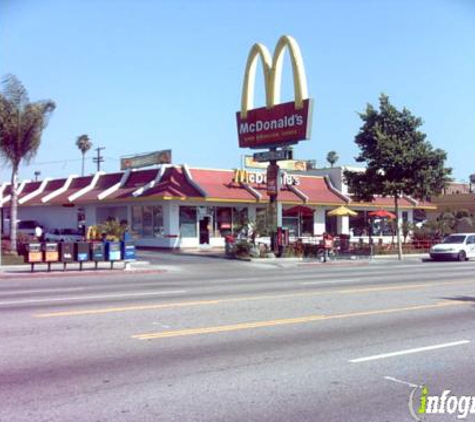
{"points": [[174, 206]]}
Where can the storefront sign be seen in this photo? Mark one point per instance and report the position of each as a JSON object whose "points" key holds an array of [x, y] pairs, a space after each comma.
{"points": [[272, 180], [301, 165], [282, 124], [275, 124], [144, 160], [244, 176], [273, 155]]}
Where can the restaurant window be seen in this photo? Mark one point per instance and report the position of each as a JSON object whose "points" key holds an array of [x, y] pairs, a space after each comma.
{"points": [[137, 221], [188, 222], [292, 225], [358, 224], [330, 224], [307, 225], [147, 221], [224, 220], [240, 221], [262, 221], [147, 218], [158, 226]]}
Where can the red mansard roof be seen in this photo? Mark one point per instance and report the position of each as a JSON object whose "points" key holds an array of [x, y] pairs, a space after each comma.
{"points": [[218, 184], [173, 184], [205, 184], [104, 182], [76, 185], [136, 180]]}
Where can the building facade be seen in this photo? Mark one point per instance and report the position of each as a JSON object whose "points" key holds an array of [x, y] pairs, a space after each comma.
{"points": [[174, 206]]}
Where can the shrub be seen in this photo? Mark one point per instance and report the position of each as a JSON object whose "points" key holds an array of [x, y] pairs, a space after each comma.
{"points": [[242, 249]]}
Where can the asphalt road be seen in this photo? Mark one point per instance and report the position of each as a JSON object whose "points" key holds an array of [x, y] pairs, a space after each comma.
{"points": [[215, 340]]}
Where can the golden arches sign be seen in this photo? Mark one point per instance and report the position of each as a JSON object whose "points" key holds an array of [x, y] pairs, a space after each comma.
{"points": [[273, 74], [276, 124]]}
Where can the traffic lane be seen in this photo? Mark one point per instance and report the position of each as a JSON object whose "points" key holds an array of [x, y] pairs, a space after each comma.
{"points": [[169, 313], [244, 277], [242, 273], [272, 374], [296, 302], [94, 290], [85, 333]]}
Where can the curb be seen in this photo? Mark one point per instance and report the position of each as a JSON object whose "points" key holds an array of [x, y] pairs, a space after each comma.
{"points": [[54, 274]]}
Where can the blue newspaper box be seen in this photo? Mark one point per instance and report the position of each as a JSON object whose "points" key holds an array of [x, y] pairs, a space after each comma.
{"points": [[97, 251], [128, 251], [82, 251], [113, 252]]}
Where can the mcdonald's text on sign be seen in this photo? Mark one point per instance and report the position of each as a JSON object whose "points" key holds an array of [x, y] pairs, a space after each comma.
{"points": [[276, 124], [244, 176], [281, 124]]}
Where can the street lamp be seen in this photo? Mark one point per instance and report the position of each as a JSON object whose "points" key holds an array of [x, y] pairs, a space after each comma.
{"points": [[37, 173]]}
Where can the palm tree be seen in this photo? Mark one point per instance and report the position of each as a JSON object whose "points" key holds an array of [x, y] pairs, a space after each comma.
{"points": [[332, 158], [84, 144], [21, 127]]}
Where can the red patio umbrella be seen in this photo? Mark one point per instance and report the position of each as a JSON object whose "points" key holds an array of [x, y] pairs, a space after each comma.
{"points": [[298, 209], [382, 214]]}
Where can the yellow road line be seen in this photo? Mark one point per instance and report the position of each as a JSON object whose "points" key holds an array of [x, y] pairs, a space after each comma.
{"points": [[99, 311], [289, 321]]}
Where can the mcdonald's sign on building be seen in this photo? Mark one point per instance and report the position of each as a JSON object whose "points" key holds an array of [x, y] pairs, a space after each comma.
{"points": [[276, 124]]}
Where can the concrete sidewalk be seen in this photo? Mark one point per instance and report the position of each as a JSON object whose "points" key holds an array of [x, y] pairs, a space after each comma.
{"points": [[24, 270]]}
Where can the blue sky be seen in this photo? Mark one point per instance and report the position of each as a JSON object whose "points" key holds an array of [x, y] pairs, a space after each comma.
{"points": [[139, 76]]}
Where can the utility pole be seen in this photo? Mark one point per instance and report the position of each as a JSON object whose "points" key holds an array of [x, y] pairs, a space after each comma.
{"points": [[99, 159]]}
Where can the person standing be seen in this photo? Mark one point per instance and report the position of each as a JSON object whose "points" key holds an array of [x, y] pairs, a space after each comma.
{"points": [[39, 233], [328, 242]]}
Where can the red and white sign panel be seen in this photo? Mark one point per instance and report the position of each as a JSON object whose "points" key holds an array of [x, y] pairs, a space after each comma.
{"points": [[281, 124], [272, 179]]}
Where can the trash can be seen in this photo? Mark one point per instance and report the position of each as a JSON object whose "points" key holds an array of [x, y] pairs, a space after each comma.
{"points": [[128, 250], [66, 253]]}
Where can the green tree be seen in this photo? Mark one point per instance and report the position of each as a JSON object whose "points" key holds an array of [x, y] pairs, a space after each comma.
{"points": [[332, 158], [399, 160], [84, 144], [21, 126]]}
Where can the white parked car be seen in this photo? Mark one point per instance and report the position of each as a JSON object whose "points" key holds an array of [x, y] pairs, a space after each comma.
{"points": [[64, 235], [459, 246]]}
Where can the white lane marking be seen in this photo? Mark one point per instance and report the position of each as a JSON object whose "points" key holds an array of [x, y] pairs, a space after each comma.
{"points": [[25, 292], [410, 384], [316, 283], [409, 351], [65, 299]]}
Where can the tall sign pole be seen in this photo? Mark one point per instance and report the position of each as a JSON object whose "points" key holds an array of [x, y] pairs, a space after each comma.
{"points": [[273, 193], [277, 124]]}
